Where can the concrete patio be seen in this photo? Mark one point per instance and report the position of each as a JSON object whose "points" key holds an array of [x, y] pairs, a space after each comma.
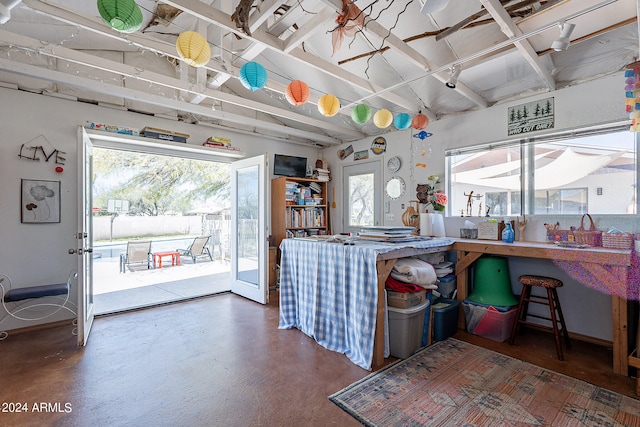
{"points": [[141, 287]]}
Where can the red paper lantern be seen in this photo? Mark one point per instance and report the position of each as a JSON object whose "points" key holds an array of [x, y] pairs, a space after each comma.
{"points": [[420, 121], [297, 93]]}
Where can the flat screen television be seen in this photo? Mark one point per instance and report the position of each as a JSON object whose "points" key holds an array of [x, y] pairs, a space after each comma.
{"points": [[292, 166]]}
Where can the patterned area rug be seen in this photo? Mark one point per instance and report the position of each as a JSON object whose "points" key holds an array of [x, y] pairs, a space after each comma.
{"points": [[454, 383]]}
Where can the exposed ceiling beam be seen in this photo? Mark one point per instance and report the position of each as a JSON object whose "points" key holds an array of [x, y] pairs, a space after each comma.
{"points": [[93, 61], [510, 29], [214, 16], [308, 29], [500, 46], [135, 95], [224, 71], [263, 13], [412, 55]]}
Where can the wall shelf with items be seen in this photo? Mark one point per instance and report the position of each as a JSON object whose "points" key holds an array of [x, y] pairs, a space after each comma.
{"points": [[298, 208], [158, 146]]}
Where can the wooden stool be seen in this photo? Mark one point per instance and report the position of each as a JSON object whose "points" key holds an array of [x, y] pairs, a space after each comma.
{"points": [[551, 300]]}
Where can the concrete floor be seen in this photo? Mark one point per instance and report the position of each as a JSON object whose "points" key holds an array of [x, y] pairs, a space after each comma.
{"points": [[213, 361]]}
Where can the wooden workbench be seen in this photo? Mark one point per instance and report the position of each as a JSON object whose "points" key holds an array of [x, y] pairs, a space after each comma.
{"points": [[610, 266]]}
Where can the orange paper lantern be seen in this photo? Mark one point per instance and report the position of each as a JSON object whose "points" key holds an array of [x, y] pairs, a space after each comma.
{"points": [[297, 93], [328, 105], [420, 121]]}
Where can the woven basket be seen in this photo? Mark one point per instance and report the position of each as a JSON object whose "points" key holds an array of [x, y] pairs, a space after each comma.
{"points": [[617, 240], [591, 237]]}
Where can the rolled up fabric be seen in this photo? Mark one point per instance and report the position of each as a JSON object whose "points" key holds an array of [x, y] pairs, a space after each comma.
{"points": [[416, 271], [398, 286]]}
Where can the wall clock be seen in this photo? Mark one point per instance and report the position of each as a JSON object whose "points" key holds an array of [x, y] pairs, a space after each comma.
{"points": [[394, 164]]}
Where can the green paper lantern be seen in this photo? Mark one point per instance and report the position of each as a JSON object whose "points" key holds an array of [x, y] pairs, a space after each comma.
{"points": [[124, 16], [361, 114]]}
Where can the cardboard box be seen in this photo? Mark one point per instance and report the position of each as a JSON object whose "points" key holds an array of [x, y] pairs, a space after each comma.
{"points": [[488, 230], [492, 230], [405, 299]]}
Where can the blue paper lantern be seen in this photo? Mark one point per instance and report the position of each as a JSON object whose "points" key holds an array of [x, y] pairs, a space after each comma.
{"points": [[402, 121], [253, 76]]}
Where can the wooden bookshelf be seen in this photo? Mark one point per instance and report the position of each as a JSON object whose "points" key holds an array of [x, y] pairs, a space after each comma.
{"points": [[290, 217]]}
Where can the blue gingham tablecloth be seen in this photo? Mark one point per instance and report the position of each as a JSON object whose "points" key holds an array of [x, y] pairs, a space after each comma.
{"points": [[330, 292]]}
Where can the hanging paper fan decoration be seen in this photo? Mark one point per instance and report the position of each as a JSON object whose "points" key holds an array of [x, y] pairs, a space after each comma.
{"points": [[328, 105], [124, 16], [383, 118], [297, 93], [193, 48], [361, 114], [402, 121], [420, 121], [253, 76]]}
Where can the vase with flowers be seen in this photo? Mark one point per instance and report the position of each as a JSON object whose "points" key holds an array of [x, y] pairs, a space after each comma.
{"points": [[428, 195]]}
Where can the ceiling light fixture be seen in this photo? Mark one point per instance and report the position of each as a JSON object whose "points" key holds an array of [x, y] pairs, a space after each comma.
{"points": [[454, 72], [562, 42]]}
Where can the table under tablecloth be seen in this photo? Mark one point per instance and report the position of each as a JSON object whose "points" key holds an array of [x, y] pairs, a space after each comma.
{"points": [[329, 291]]}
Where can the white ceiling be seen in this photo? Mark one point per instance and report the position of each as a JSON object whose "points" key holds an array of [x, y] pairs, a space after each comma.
{"points": [[64, 48]]}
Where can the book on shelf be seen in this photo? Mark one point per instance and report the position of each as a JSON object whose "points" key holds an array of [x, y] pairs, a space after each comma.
{"points": [[220, 146], [165, 135], [322, 174], [309, 217], [218, 142], [315, 187]]}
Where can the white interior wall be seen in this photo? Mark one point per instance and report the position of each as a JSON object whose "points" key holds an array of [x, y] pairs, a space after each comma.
{"points": [[587, 311], [36, 254]]}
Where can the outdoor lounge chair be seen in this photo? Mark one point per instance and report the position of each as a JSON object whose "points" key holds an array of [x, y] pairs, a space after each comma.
{"points": [[138, 252], [197, 248]]}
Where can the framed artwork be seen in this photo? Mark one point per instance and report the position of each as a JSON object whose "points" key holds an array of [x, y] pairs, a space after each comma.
{"points": [[39, 201]]}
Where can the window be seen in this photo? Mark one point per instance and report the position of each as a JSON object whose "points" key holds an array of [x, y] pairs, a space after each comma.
{"points": [[362, 201], [503, 203], [567, 201], [591, 171]]}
